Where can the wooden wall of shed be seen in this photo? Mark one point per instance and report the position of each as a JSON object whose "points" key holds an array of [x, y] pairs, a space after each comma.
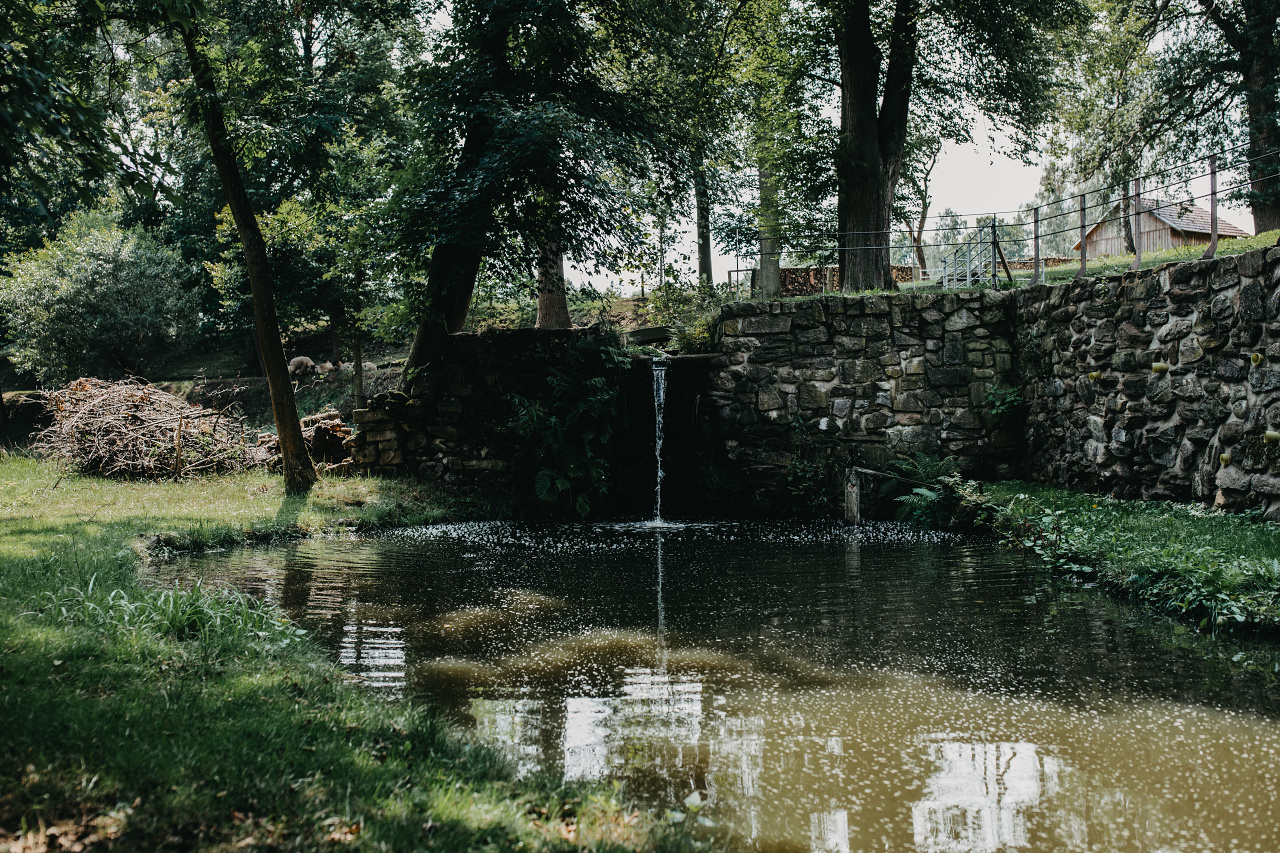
{"points": [[1157, 235]]}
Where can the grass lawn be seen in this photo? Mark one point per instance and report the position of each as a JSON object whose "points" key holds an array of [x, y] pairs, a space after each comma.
{"points": [[205, 720], [1215, 568]]}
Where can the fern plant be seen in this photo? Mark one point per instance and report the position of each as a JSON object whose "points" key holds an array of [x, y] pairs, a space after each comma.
{"points": [[922, 488]]}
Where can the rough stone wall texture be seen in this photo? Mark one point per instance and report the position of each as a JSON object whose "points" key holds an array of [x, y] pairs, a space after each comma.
{"points": [[865, 378], [1099, 416], [456, 430]]}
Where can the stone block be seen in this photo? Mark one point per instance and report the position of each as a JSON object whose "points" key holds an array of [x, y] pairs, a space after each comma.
{"points": [[1249, 300], [370, 416], [1266, 484], [768, 399], [1233, 477], [948, 375], [1174, 331], [961, 319], [375, 436], [766, 324], [811, 396]]}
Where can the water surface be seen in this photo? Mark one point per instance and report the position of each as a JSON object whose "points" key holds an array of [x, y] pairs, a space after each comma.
{"points": [[824, 689]]}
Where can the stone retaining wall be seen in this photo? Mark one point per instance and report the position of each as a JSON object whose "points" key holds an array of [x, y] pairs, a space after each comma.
{"points": [[1099, 416], [864, 378], [457, 430], [795, 386]]}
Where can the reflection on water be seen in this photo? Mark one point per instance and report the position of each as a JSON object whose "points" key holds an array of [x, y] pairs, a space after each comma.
{"points": [[823, 690], [979, 796]]}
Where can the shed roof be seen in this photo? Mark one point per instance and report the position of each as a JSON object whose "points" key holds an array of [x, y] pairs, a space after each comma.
{"points": [[1182, 216]]}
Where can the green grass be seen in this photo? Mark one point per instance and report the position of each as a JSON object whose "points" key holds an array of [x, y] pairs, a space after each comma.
{"points": [[202, 719], [1213, 568], [1117, 264]]}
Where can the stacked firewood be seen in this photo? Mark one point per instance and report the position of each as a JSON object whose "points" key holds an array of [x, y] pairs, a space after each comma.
{"points": [[133, 430], [325, 435]]}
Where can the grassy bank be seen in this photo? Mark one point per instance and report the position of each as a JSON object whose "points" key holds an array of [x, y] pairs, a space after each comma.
{"points": [[1212, 568], [205, 720]]}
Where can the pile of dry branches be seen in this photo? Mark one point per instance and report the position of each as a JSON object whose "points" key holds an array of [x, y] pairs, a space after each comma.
{"points": [[130, 429]]}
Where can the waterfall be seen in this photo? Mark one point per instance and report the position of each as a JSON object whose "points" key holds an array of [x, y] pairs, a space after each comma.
{"points": [[659, 403]]}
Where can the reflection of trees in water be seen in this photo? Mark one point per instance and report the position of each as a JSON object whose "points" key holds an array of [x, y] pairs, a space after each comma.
{"points": [[978, 799]]}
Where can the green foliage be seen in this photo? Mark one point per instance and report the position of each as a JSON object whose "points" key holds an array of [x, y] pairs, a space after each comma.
{"points": [[1209, 566], [814, 474], [97, 301], [924, 488], [566, 435], [1003, 401]]}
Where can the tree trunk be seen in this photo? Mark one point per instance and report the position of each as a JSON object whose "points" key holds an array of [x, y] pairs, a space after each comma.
{"points": [[702, 205], [450, 283], [553, 304], [1125, 217], [337, 323], [872, 138], [456, 263], [769, 281], [1262, 110], [299, 472]]}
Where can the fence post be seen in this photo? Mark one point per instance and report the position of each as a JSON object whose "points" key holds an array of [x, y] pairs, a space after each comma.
{"points": [[1213, 208], [1083, 269], [852, 497], [1035, 246], [995, 282], [1137, 225]]}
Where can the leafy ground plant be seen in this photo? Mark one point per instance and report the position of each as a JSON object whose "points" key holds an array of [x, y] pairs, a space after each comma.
{"points": [[1213, 568]]}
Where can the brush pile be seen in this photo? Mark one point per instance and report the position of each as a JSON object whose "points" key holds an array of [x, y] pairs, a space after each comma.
{"points": [[132, 430]]}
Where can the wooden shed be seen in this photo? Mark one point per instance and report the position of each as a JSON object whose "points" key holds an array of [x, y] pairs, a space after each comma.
{"points": [[1165, 225]]}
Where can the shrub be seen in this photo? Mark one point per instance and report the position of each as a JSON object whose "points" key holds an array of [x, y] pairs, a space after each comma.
{"points": [[97, 301]]}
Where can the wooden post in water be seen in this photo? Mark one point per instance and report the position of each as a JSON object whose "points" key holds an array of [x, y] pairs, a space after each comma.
{"points": [[852, 497], [1082, 272], [1213, 208]]}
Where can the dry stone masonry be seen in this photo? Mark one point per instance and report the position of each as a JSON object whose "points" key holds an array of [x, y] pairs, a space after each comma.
{"points": [[876, 376], [1160, 384], [1163, 384]]}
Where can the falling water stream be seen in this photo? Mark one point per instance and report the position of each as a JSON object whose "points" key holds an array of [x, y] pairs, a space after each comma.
{"points": [[659, 404], [825, 689]]}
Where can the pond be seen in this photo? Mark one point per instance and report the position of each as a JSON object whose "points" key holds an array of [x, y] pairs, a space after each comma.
{"points": [[823, 688]]}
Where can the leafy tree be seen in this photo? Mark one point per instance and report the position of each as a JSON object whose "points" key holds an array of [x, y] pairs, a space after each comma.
{"points": [[525, 137], [1216, 74], [299, 471], [936, 57], [98, 300], [43, 113]]}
